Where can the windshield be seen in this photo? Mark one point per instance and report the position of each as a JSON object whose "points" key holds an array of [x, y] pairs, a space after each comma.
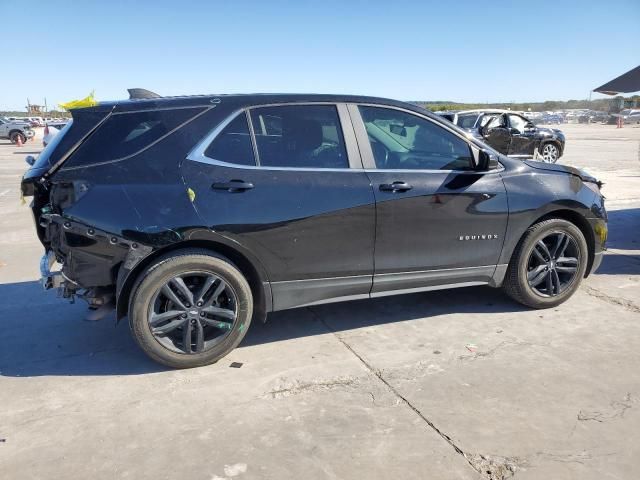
{"points": [[43, 159]]}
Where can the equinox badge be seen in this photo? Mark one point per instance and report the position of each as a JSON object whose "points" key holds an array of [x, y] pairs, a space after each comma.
{"points": [[489, 236]]}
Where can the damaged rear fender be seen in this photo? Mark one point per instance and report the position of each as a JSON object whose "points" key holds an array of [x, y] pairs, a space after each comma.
{"points": [[244, 260]]}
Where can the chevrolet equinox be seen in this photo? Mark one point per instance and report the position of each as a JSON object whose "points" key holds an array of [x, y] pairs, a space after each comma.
{"points": [[194, 215]]}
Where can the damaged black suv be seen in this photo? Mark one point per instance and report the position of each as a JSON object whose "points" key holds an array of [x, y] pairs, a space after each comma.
{"points": [[192, 216]]}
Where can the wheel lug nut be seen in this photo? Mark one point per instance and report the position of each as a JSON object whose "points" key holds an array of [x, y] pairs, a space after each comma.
{"points": [[184, 315], [199, 304], [202, 314], [187, 305], [193, 322]]}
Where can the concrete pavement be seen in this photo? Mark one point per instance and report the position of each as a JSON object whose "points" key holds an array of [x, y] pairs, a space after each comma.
{"points": [[386, 388]]}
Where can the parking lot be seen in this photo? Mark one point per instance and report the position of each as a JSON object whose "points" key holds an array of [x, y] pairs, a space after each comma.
{"points": [[442, 385]]}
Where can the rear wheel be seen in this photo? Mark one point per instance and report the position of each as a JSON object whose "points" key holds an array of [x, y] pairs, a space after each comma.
{"points": [[548, 264], [17, 135], [550, 152], [190, 309]]}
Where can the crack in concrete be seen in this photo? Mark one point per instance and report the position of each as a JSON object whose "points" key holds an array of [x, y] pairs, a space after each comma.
{"points": [[617, 410], [492, 351], [621, 302], [491, 467], [298, 387], [571, 457]]}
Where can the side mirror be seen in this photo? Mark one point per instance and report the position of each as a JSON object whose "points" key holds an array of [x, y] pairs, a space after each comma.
{"points": [[30, 159], [483, 130], [481, 161]]}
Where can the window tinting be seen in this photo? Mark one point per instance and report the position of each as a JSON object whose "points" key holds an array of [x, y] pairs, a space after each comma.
{"points": [[129, 133], [403, 141], [233, 144], [302, 136]]}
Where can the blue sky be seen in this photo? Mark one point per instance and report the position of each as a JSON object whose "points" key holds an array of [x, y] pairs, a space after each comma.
{"points": [[481, 51]]}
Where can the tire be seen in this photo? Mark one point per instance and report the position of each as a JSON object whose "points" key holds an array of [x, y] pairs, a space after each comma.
{"points": [[15, 135], [149, 302], [526, 267], [550, 152]]}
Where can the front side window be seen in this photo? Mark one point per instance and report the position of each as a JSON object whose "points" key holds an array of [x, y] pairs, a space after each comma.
{"points": [[495, 121], [233, 143], [299, 136], [517, 122], [402, 141]]}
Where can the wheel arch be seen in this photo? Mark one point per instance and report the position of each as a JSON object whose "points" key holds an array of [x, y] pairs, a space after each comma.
{"points": [[579, 221], [556, 142], [254, 273]]}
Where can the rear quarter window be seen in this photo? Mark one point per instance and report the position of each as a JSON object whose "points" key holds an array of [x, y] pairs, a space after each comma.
{"points": [[127, 134]]}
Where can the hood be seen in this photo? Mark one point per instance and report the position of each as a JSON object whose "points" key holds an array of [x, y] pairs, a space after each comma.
{"points": [[554, 167], [550, 131]]}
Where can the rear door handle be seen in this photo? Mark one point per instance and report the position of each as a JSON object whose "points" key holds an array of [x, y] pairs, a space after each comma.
{"points": [[233, 186], [395, 187]]}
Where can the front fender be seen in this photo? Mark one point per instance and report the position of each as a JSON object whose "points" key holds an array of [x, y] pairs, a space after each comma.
{"points": [[536, 194]]}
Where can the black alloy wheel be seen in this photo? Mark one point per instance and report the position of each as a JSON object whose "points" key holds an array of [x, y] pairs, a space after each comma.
{"points": [[190, 308], [193, 312], [553, 264]]}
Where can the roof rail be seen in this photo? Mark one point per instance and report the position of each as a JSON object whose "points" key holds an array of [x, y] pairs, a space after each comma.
{"points": [[140, 93]]}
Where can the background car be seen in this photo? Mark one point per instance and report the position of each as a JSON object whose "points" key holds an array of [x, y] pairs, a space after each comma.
{"points": [[15, 130], [51, 129], [513, 134]]}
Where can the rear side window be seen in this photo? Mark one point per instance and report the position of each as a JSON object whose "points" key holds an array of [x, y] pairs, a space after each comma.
{"points": [[233, 144], [127, 134], [299, 136]]}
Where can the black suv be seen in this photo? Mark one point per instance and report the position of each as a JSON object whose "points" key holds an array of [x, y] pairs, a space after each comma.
{"points": [[193, 215], [512, 134]]}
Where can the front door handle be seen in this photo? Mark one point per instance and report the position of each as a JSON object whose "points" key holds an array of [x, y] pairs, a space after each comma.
{"points": [[233, 186], [395, 187]]}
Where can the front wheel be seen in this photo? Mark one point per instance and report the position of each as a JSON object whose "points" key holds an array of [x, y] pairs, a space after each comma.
{"points": [[17, 135], [547, 265], [550, 153], [190, 309]]}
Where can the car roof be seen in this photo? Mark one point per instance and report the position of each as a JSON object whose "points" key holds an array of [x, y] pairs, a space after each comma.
{"points": [[486, 110], [242, 99]]}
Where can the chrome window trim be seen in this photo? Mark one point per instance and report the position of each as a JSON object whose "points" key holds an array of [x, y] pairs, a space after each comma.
{"points": [[197, 153]]}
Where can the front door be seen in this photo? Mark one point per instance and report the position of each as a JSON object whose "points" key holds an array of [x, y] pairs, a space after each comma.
{"points": [[438, 221], [496, 133], [523, 136], [289, 195]]}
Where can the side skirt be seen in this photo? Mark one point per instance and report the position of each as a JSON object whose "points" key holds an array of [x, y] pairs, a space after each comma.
{"points": [[300, 293]]}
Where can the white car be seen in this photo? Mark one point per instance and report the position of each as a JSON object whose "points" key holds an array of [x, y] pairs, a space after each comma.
{"points": [[630, 116], [51, 129]]}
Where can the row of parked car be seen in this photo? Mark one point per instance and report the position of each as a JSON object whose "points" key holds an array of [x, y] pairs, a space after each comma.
{"points": [[510, 133], [17, 130], [36, 121]]}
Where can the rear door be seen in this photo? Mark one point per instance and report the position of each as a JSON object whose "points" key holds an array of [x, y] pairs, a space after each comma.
{"points": [[438, 221], [286, 182]]}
